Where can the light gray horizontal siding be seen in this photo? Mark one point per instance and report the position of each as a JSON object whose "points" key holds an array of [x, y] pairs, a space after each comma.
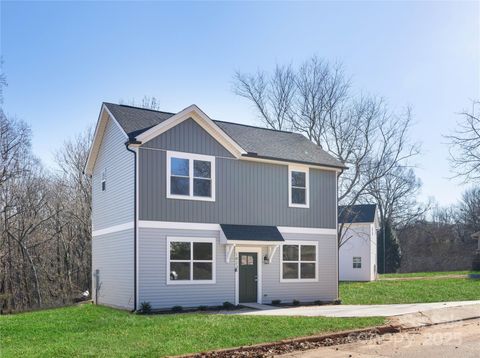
{"points": [[248, 193], [153, 275], [323, 290], [153, 265], [115, 205], [112, 254]]}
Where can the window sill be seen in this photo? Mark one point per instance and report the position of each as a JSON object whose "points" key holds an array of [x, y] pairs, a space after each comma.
{"points": [[298, 280], [194, 198], [190, 282]]}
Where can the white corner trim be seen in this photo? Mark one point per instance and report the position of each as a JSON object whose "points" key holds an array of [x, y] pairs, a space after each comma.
{"points": [[303, 169], [98, 137], [203, 120], [112, 229], [306, 230]]}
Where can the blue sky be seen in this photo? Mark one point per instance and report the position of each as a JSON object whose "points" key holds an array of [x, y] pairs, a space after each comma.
{"points": [[62, 59]]}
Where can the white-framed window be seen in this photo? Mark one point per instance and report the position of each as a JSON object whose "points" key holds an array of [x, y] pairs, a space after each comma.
{"points": [[190, 176], [357, 262], [190, 260], [299, 261], [298, 186], [104, 179]]}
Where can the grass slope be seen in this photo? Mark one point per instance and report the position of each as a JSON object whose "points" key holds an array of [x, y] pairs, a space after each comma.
{"points": [[100, 331], [411, 291], [423, 274]]}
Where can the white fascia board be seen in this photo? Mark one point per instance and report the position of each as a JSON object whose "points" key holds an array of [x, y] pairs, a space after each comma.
{"points": [[102, 121], [306, 230], [203, 120], [287, 162]]}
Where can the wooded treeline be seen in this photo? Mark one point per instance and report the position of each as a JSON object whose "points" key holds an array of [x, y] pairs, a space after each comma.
{"points": [[44, 222]]}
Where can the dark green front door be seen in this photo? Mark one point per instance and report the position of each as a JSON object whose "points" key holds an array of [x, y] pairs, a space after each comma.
{"points": [[247, 276]]}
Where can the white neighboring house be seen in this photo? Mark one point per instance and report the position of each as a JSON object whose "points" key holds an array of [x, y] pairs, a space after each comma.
{"points": [[358, 254]]}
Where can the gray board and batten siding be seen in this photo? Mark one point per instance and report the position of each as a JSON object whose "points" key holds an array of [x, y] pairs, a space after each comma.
{"points": [[247, 192]]}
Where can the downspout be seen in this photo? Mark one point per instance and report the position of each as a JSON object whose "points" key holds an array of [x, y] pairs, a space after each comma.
{"points": [[134, 220]]}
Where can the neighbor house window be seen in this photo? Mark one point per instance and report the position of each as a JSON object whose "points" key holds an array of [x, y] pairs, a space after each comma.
{"points": [[299, 262], [104, 179], [298, 186], [357, 262], [190, 176], [190, 260]]}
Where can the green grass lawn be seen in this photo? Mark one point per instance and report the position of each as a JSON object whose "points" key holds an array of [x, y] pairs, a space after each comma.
{"points": [[423, 274], [100, 331], [410, 291]]}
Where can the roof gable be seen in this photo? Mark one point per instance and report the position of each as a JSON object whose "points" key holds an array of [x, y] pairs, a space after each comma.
{"points": [[242, 141]]}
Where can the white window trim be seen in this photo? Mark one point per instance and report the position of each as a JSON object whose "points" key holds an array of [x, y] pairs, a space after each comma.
{"points": [[359, 262], [191, 157], [191, 240], [304, 169], [293, 242]]}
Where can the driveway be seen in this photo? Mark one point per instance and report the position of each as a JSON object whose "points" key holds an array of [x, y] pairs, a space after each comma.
{"points": [[349, 310], [460, 339]]}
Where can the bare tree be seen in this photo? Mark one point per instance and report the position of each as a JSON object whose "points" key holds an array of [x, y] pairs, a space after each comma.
{"points": [[465, 145], [396, 195], [317, 101], [148, 102]]}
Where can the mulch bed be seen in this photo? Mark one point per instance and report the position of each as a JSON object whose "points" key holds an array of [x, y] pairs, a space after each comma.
{"points": [[297, 344]]}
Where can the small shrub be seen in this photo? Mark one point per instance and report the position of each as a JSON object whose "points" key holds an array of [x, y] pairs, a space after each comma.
{"points": [[202, 308], [228, 305], [276, 302], [177, 309], [296, 302], [318, 303], [145, 307]]}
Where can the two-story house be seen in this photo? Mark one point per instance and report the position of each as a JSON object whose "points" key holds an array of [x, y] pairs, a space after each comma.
{"points": [[189, 211]]}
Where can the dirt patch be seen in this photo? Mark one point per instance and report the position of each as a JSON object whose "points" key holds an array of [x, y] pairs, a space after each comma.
{"points": [[297, 344]]}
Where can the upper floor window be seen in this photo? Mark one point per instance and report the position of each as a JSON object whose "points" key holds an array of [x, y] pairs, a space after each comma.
{"points": [[298, 261], [190, 176], [357, 262], [104, 179], [298, 186]]}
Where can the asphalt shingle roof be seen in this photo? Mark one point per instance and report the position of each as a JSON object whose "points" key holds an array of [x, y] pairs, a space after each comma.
{"points": [[258, 142], [363, 213], [251, 232]]}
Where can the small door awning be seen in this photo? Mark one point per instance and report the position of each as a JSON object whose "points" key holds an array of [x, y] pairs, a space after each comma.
{"points": [[267, 235]]}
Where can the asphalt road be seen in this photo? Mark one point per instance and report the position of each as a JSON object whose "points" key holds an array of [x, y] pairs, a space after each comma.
{"points": [[460, 339]]}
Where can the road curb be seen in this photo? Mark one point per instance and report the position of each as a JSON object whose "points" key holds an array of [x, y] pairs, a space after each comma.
{"points": [[299, 343]]}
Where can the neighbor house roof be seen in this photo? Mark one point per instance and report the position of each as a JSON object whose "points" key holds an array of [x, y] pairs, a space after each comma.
{"points": [[363, 213], [257, 142]]}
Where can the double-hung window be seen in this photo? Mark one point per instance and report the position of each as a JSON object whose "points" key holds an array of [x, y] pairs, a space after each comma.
{"points": [[299, 262], [190, 176], [190, 260], [298, 187], [357, 262]]}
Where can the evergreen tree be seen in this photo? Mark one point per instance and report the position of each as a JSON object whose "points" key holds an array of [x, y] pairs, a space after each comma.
{"points": [[392, 250]]}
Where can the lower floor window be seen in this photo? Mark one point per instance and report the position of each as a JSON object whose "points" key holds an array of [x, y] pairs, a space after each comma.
{"points": [[357, 262], [191, 260], [299, 262]]}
